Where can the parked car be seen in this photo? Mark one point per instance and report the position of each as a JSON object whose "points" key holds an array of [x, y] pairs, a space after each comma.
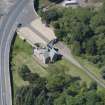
{"points": [[19, 25], [52, 42], [70, 2]]}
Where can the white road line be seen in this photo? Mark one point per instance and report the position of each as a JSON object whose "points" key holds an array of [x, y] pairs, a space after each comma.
{"points": [[2, 43]]}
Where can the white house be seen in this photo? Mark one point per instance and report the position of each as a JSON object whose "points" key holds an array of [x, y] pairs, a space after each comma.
{"points": [[69, 2], [45, 54]]}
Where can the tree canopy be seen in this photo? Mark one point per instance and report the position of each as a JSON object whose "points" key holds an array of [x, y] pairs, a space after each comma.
{"points": [[58, 88], [81, 28]]}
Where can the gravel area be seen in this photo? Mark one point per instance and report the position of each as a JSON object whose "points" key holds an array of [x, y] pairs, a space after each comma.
{"points": [[33, 30]]}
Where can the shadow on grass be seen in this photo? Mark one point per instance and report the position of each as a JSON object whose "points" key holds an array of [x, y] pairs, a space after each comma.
{"points": [[10, 66]]}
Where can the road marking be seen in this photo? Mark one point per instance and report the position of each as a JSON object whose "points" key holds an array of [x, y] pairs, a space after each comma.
{"points": [[2, 44]]}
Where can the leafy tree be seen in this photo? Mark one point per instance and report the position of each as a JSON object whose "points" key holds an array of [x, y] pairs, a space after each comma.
{"points": [[57, 79], [63, 99], [50, 15], [91, 47], [58, 88], [84, 30], [103, 73], [92, 95], [24, 72], [36, 4], [93, 86], [76, 48]]}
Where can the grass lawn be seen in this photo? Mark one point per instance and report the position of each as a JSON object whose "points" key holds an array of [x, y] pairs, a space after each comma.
{"points": [[73, 70], [90, 66], [22, 54], [94, 69]]}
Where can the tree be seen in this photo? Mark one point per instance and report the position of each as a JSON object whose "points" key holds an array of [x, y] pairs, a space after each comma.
{"points": [[29, 95], [50, 15], [36, 4], [93, 96], [63, 99], [20, 95], [103, 73], [58, 88], [57, 78], [91, 47], [93, 86], [24, 72], [76, 48]]}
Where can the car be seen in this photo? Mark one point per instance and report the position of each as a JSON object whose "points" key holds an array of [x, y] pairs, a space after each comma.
{"points": [[54, 41], [19, 25]]}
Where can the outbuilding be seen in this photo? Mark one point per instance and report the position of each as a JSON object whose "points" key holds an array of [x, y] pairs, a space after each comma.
{"points": [[45, 54]]}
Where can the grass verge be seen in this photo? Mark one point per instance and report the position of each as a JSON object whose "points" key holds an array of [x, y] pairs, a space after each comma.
{"points": [[74, 71], [95, 70], [22, 54]]}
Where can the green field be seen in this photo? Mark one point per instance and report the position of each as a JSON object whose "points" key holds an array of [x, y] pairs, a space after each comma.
{"points": [[73, 70], [94, 69], [22, 54]]}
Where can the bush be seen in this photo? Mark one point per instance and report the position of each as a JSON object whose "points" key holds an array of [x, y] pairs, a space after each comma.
{"points": [[93, 86], [24, 72], [103, 73]]}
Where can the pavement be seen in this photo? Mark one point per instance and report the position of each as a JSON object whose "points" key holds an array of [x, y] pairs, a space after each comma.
{"points": [[33, 30], [7, 30]]}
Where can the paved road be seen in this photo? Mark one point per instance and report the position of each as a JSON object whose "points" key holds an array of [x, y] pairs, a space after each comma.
{"points": [[7, 29], [5, 6]]}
